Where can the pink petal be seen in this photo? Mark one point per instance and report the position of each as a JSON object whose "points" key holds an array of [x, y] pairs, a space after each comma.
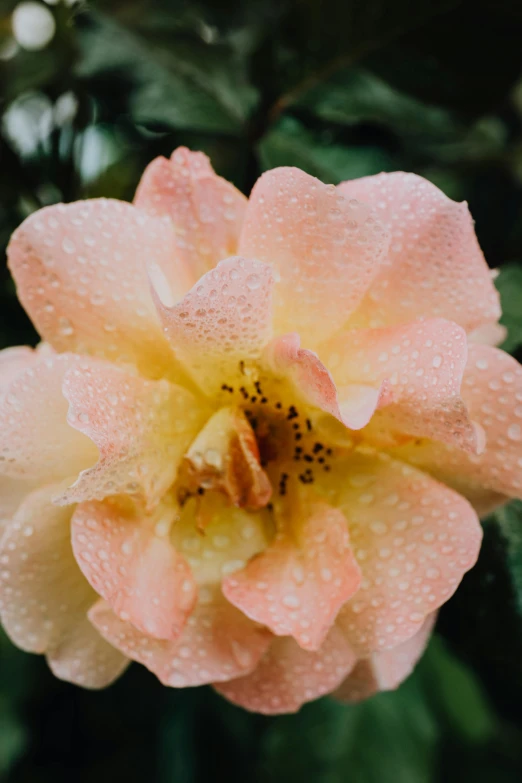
{"points": [[223, 321], [80, 273], [413, 539], [488, 334], [314, 384], [492, 391], [35, 440], [288, 676], [42, 591], [141, 428], [435, 265], [129, 560], [12, 493], [218, 643], [13, 361], [326, 250], [384, 671], [297, 586], [84, 658], [421, 365], [207, 211]]}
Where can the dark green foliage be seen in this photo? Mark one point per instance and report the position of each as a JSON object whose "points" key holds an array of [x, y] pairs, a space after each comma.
{"points": [[341, 89]]}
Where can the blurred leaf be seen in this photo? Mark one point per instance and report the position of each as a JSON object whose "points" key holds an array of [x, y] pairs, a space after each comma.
{"points": [[355, 95], [387, 739], [509, 284], [291, 144], [187, 84], [12, 737], [483, 622], [456, 694]]}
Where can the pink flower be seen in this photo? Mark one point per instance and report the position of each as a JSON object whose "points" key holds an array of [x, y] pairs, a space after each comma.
{"points": [[254, 445]]}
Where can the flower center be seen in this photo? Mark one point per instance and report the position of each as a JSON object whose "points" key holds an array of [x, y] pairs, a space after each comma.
{"points": [[256, 445]]}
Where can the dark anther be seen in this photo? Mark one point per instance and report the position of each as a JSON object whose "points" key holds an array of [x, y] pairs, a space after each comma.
{"points": [[278, 406], [326, 467], [295, 426], [201, 491], [317, 448], [270, 507], [308, 458], [297, 436], [328, 452], [321, 460], [309, 425], [253, 399], [242, 367]]}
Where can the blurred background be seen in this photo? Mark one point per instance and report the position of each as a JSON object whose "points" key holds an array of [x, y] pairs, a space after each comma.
{"points": [[90, 92]]}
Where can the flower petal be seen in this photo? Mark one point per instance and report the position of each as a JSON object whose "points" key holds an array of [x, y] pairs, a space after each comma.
{"points": [[224, 320], [84, 658], [435, 265], [288, 676], [492, 392], [141, 428], [80, 273], [129, 560], [421, 365], [314, 384], [36, 442], [297, 586], [217, 644], [42, 591], [384, 671], [13, 361], [488, 334], [206, 210], [413, 539], [326, 250]]}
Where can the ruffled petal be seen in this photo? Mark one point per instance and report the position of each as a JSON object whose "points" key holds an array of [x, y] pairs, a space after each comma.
{"points": [[84, 658], [141, 428], [421, 365], [435, 265], [81, 276], [326, 250], [36, 442], [384, 671], [314, 384], [288, 676], [224, 320], [207, 211], [129, 560], [413, 539], [492, 392], [217, 644], [13, 361], [297, 586], [43, 594]]}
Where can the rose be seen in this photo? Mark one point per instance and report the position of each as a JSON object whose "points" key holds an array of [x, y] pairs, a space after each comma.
{"points": [[253, 448]]}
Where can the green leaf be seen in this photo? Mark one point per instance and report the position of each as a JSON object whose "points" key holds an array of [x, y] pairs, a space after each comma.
{"points": [[483, 622], [509, 284], [355, 95], [456, 694], [390, 738], [187, 84], [291, 144], [12, 737]]}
